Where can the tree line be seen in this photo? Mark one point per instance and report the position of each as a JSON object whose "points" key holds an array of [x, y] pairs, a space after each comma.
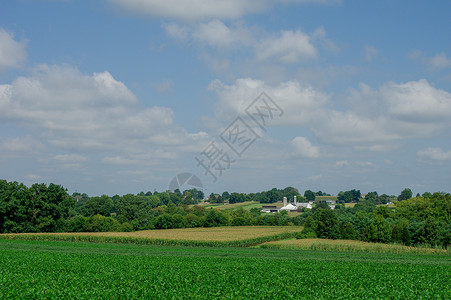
{"points": [[424, 219], [42, 208], [421, 220]]}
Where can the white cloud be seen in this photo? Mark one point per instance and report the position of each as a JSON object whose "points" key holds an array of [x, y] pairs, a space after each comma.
{"points": [[33, 177], [370, 53], [78, 112], [349, 128], [439, 61], [319, 36], [12, 53], [19, 146], [435, 154], [249, 44], [164, 86], [215, 33], [436, 62], [376, 120], [417, 101], [203, 9], [290, 47], [341, 163], [304, 148], [177, 31], [301, 103], [69, 158], [415, 54], [364, 164]]}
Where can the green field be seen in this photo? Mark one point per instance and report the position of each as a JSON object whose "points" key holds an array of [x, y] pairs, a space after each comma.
{"points": [[324, 198], [245, 205], [43, 269]]}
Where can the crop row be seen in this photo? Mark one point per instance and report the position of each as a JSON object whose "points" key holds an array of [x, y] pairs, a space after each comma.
{"points": [[351, 246], [147, 241], [66, 270]]}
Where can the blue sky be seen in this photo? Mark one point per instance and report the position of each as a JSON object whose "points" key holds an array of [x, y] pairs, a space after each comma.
{"points": [[115, 96]]}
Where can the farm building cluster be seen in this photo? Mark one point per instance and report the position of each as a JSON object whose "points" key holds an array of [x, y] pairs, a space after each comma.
{"points": [[293, 206]]}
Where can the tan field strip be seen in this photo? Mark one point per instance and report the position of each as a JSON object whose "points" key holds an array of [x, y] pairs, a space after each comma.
{"points": [[193, 234], [348, 245]]}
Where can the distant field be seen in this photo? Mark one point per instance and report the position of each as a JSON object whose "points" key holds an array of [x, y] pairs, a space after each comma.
{"points": [[52, 270], [326, 198], [292, 214], [348, 245], [350, 204], [228, 235], [245, 205]]}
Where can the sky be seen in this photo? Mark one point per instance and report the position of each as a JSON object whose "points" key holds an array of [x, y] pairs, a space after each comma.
{"points": [[122, 96]]}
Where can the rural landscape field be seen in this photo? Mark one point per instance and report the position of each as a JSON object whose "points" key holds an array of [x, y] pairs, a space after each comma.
{"points": [[225, 149], [57, 269]]}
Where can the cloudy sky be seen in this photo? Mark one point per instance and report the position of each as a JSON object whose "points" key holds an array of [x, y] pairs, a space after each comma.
{"points": [[119, 96]]}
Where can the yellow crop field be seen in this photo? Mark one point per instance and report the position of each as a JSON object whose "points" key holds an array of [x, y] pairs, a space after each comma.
{"points": [[348, 245], [194, 234]]}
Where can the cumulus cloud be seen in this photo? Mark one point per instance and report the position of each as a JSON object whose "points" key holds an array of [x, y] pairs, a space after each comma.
{"points": [[216, 33], [304, 148], [301, 103], [290, 47], [203, 9], [416, 101], [394, 112], [375, 120], [286, 46], [78, 112], [439, 61], [12, 52], [436, 62], [435, 154]]}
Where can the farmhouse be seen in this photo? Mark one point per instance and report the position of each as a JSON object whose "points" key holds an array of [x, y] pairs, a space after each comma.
{"points": [[270, 208], [293, 206]]}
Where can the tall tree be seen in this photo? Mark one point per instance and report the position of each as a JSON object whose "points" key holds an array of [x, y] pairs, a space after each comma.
{"points": [[405, 194], [309, 195]]}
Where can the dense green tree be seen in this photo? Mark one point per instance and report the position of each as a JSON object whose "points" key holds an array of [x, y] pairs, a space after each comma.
{"points": [[324, 223], [379, 230], [102, 205], [225, 196], [347, 231], [400, 233], [405, 194], [215, 218], [426, 195], [349, 196], [309, 195]]}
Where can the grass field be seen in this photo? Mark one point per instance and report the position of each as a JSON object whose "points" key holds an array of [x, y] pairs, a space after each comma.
{"points": [[44, 270], [349, 245]]}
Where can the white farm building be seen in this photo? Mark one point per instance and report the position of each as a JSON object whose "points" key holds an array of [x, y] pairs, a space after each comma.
{"points": [[293, 206]]}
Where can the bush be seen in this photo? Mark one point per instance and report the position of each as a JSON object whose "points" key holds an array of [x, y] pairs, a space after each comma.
{"points": [[306, 234], [126, 227], [99, 223]]}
